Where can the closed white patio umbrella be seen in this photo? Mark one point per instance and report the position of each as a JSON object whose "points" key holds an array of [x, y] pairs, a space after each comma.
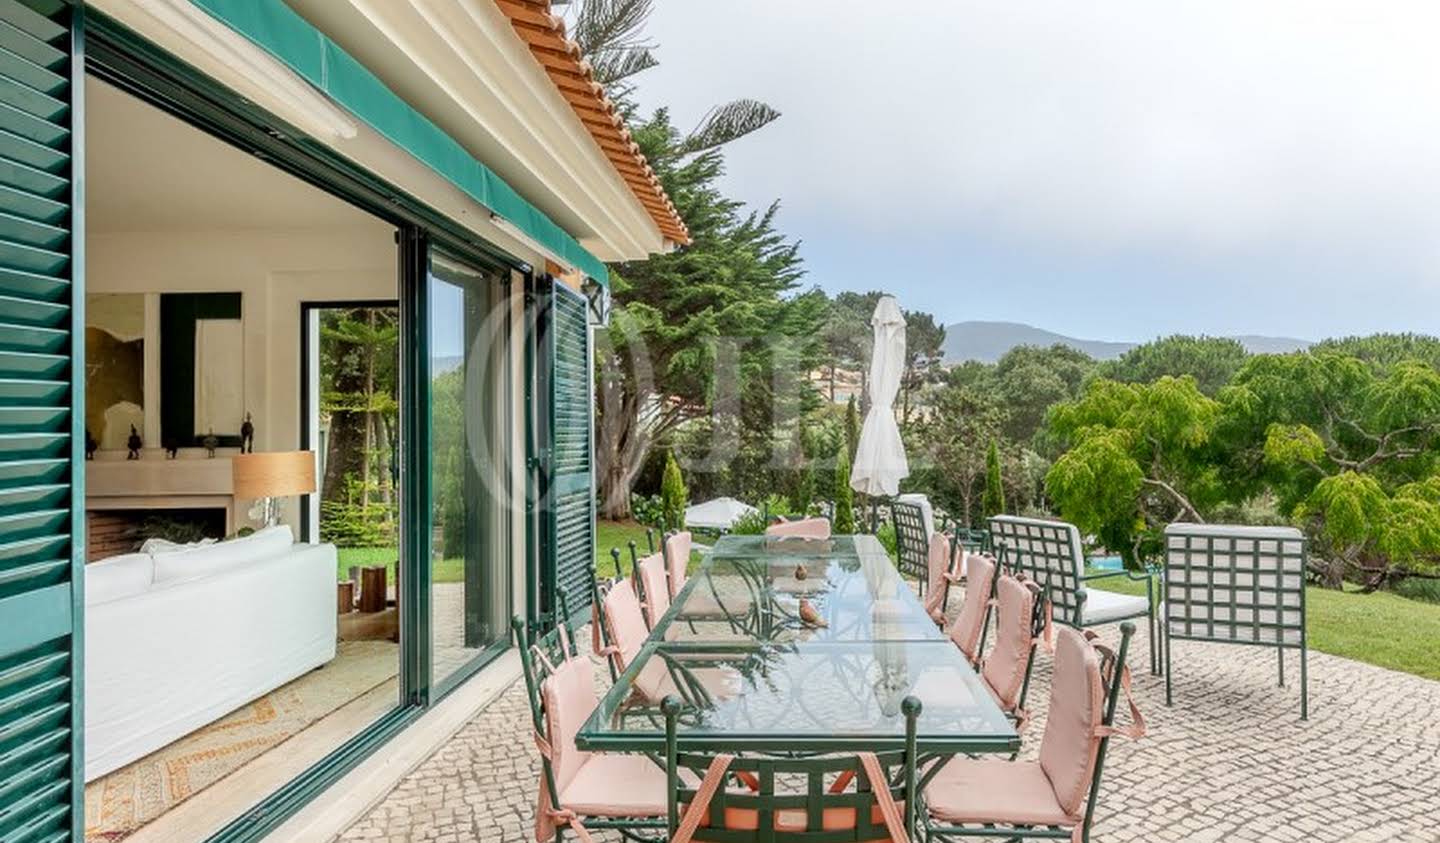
{"points": [[880, 462]]}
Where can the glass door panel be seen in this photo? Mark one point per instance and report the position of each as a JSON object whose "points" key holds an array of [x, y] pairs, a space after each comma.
{"points": [[470, 449]]}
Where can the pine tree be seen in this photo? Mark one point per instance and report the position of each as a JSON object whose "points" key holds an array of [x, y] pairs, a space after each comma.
{"points": [[852, 428], [844, 498], [993, 501], [673, 495]]}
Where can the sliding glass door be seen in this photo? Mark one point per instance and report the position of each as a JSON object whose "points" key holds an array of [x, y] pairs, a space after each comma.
{"points": [[470, 435]]}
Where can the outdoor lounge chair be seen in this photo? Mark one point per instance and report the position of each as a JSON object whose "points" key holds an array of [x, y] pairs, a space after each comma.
{"points": [[1237, 585], [1050, 554], [1054, 797], [1021, 623], [813, 529], [968, 630], [833, 798], [583, 791]]}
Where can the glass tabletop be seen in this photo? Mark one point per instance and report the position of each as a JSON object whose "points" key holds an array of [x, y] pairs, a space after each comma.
{"points": [[858, 597], [804, 696], [742, 547]]}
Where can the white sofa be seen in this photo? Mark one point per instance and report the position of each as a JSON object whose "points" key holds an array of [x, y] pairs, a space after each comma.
{"points": [[176, 640]]}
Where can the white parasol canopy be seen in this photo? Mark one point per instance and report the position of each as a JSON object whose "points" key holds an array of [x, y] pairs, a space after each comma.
{"points": [[719, 514], [880, 462]]}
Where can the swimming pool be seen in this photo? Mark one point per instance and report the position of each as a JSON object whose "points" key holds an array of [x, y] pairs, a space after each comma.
{"points": [[1107, 563]]}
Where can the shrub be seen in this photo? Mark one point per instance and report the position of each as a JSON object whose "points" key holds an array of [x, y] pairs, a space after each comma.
{"points": [[844, 498], [673, 497], [648, 510]]}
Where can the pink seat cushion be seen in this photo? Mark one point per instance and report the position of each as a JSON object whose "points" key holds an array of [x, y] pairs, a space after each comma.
{"points": [[677, 559], [1005, 667], [990, 790], [568, 695], [937, 585], [624, 621], [817, 529], [617, 786], [1068, 750], [652, 576], [966, 630]]}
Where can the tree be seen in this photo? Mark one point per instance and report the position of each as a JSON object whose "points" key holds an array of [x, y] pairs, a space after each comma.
{"points": [[673, 497], [843, 498], [720, 301], [1212, 361], [1032, 379], [949, 447], [993, 503], [852, 428], [1140, 457], [924, 349]]}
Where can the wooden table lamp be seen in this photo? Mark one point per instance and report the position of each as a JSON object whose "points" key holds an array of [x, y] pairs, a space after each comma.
{"points": [[266, 477]]}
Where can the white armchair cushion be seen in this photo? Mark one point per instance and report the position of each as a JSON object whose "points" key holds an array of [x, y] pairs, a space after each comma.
{"points": [[1107, 606]]}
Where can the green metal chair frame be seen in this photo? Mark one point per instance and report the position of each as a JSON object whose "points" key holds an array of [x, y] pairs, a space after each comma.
{"points": [[557, 647], [1112, 670], [820, 775], [912, 544], [1222, 583], [1046, 552]]}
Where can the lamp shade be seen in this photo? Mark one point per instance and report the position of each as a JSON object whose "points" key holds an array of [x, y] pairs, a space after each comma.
{"points": [[274, 474]]}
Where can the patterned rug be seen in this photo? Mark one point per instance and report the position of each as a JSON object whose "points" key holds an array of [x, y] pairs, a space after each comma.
{"points": [[118, 804]]}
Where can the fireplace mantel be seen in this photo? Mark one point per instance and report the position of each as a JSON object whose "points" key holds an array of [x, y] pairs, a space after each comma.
{"points": [[154, 482]]}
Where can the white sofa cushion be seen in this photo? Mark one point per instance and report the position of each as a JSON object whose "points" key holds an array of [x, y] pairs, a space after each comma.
{"points": [[1106, 606], [117, 577], [215, 558]]}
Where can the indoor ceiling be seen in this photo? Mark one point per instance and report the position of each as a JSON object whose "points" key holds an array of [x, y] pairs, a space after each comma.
{"points": [[148, 171]]}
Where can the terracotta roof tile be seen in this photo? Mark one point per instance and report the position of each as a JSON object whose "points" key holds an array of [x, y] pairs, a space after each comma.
{"points": [[544, 33]]}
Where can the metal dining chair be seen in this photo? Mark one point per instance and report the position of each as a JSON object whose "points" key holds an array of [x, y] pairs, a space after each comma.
{"points": [[1054, 797], [840, 798]]}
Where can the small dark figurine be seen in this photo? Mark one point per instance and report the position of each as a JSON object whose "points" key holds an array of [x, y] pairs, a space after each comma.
{"points": [[247, 436], [91, 446], [800, 572], [211, 442], [172, 450], [134, 444]]}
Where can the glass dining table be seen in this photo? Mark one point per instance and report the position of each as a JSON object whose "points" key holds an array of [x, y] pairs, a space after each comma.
{"points": [[798, 646]]}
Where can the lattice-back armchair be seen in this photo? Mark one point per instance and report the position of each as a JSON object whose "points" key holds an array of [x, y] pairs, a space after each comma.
{"points": [[1237, 585], [1051, 554]]}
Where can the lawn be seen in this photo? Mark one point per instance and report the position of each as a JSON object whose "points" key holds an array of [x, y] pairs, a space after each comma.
{"points": [[1380, 629], [446, 570]]}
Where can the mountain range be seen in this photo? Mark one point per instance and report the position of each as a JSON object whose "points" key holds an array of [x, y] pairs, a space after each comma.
{"points": [[988, 342]]}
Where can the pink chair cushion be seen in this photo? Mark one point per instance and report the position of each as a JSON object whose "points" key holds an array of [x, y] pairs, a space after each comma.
{"points": [[1068, 750], [1005, 667], [568, 695], [677, 558], [655, 681], [937, 584], [624, 621], [971, 623], [619, 785], [817, 529], [988, 790], [651, 573]]}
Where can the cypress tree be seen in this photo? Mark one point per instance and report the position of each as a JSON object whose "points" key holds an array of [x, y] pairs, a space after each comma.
{"points": [[673, 496], [993, 501], [844, 497]]}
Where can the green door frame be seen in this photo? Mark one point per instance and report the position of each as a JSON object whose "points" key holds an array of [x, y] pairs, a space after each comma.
{"points": [[120, 57]]}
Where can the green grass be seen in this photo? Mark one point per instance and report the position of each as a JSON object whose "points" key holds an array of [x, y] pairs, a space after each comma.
{"points": [[446, 570], [1382, 629], [619, 534]]}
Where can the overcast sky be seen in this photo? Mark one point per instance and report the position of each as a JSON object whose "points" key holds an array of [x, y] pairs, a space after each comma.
{"points": [[1110, 170]]}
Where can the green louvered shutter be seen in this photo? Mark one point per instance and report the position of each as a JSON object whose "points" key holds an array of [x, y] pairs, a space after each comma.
{"points": [[567, 490], [40, 545]]}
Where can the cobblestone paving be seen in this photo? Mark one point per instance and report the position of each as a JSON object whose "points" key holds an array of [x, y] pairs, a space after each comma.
{"points": [[1231, 761]]}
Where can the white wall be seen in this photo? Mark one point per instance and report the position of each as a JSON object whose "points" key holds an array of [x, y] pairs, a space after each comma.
{"points": [[274, 271]]}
